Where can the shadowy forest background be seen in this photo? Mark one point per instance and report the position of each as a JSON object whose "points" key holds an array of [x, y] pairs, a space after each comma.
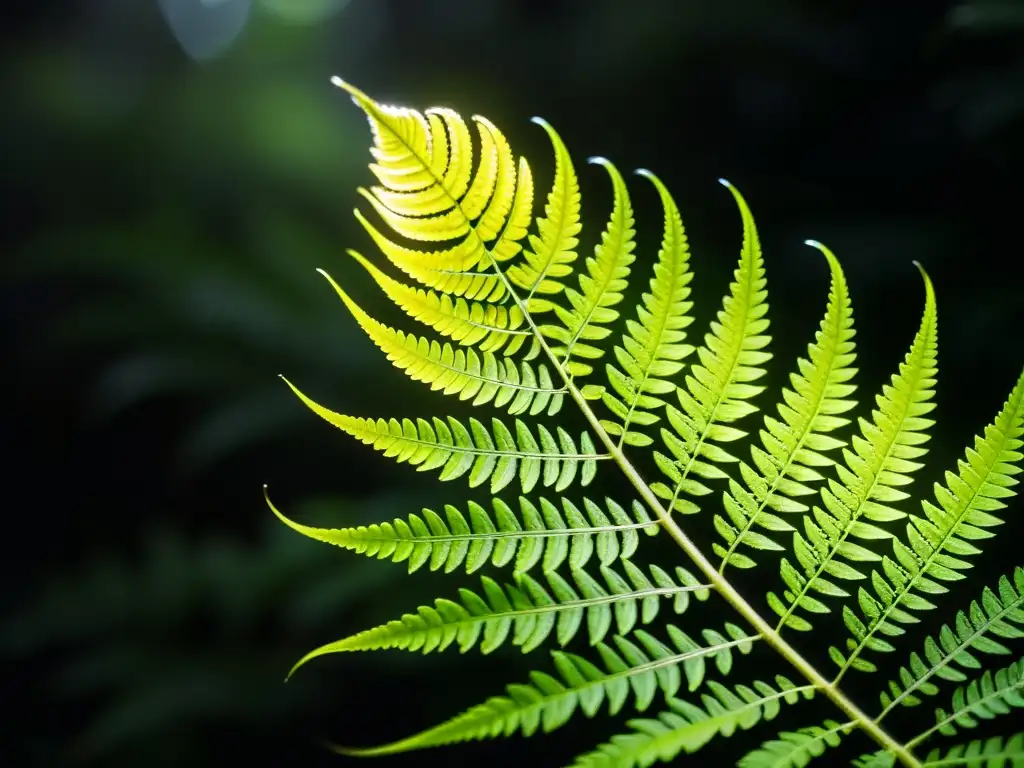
{"points": [[173, 173]]}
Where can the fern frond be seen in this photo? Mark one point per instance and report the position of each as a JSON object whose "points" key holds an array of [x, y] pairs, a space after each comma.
{"points": [[971, 632], [551, 251], [489, 327], [548, 702], [943, 537], [456, 450], [653, 347], [686, 727], [795, 444], [878, 464], [600, 289], [795, 749], [528, 613], [482, 378], [984, 698], [990, 753], [718, 388], [544, 536]]}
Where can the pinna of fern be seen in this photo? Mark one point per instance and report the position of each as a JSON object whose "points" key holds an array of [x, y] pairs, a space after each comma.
{"points": [[526, 327]]}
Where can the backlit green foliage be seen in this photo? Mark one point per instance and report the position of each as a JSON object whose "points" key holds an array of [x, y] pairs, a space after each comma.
{"points": [[533, 328]]}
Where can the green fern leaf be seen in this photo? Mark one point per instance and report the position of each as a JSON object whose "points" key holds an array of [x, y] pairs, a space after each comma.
{"points": [[944, 536], [972, 631], [456, 450], [795, 444], [551, 252], [461, 372], [984, 698], [600, 289], [544, 535], [653, 346], [991, 753], [457, 206], [795, 749], [490, 327], [879, 463], [718, 388], [527, 614], [686, 727], [548, 702]]}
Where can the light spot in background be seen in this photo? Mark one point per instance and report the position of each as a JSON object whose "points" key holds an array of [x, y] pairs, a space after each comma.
{"points": [[303, 11], [206, 28]]}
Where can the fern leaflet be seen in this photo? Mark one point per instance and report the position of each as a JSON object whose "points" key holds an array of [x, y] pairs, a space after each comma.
{"points": [[545, 535], [971, 632], [880, 461], [984, 698], [653, 345], [795, 444], [455, 450], [795, 749], [686, 727], [940, 540], [529, 613], [548, 703], [600, 289], [482, 378], [991, 753], [551, 252], [717, 389], [490, 327]]}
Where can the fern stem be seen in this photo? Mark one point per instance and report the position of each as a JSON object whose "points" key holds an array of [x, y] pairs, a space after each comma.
{"points": [[716, 579]]}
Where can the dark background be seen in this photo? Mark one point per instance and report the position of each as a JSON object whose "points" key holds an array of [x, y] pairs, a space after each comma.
{"points": [[174, 172]]}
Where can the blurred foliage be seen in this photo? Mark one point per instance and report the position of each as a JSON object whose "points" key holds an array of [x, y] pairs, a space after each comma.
{"points": [[165, 652], [989, 98], [182, 289]]}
